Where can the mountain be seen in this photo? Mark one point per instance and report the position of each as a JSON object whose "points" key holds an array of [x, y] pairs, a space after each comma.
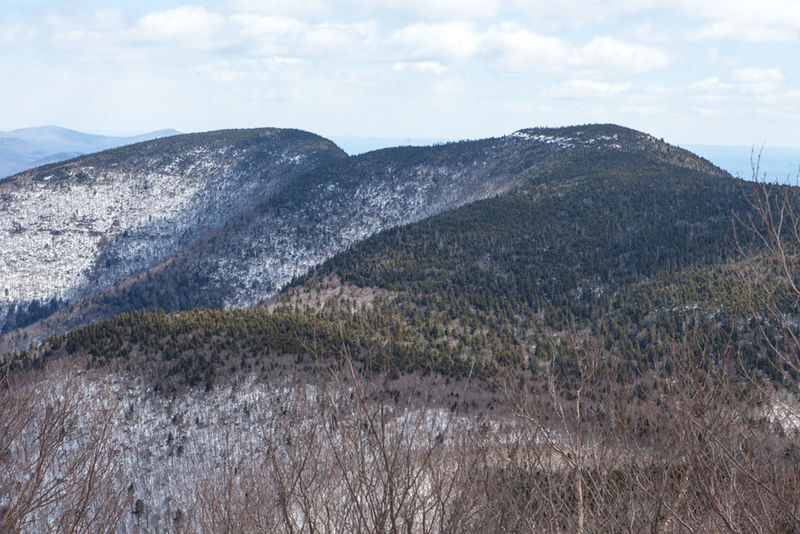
{"points": [[359, 145], [610, 245], [31, 147], [70, 229], [616, 237], [567, 329], [259, 250]]}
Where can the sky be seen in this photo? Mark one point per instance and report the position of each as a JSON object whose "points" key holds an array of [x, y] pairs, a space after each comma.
{"points": [[690, 71]]}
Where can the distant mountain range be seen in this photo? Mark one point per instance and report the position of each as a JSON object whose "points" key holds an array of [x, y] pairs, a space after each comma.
{"points": [[27, 148]]}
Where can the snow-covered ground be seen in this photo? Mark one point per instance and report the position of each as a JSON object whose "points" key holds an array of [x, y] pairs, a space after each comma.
{"points": [[169, 458], [69, 230]]}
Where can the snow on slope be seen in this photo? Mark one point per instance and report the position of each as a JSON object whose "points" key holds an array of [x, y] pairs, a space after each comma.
{"points": [[323, 211], [68, 230], [335, 207], [164, 452], [328, 210]]}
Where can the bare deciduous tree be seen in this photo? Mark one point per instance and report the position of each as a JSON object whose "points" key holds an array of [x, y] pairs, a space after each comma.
{"points": [[60, 470]]}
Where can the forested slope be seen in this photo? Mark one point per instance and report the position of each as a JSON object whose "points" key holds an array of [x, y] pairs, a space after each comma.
{"points": [[619, 249]]}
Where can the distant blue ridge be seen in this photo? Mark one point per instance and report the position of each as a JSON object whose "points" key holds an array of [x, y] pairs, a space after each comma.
{"points": [[30, 147]]}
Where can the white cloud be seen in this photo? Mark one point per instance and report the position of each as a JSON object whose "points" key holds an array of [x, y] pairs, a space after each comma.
{"points": [[283, 7], [766, 21], [69, 37], [18, 34], [187, 25], [610, 52], [725, 20], [759, 80], [718, 56], [426, 67], [444, 9], [384, 9], [269, 29], [521, 49], [772, 75], [572, 12], [450, 41], [648, 33], [746, 31], [755, 81], [230, 73], [711, 85], [516, 48], [586, 88], [287, 36]]}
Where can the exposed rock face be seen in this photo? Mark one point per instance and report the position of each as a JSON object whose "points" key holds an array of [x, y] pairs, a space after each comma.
{"points": [[69, 230], [229, 218]]}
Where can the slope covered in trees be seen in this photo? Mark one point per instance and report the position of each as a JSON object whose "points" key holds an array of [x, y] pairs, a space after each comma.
{"points": [[608, 344], [620, 249], [68, 230], [327, 208]]}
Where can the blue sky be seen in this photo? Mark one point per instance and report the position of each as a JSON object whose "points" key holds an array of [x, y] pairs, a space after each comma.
{"points": [[702, 72]]}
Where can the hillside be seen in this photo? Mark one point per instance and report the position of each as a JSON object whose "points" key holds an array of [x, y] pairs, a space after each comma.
{"points": [[329, 209], [70, 229], [614, 251], [612, 232], [558, 328]]}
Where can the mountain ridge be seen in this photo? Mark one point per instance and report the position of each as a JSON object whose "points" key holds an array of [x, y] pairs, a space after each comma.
{"points": [[71, 228], [486, 330], [326, 209]]}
